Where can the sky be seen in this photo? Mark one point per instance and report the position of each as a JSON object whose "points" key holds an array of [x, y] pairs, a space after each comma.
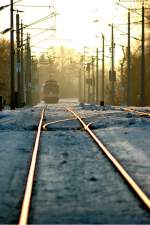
{"points": [[78, 23]]}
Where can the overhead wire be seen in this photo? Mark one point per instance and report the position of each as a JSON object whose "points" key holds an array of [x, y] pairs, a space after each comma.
{"points": [[17, 1], [50, 39], [38, 28], [36, 6], [30, 26], [40, 20], [37, 34]]}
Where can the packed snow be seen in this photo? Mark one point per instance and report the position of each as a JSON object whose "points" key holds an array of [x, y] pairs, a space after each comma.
{"points": [[74, 183]]}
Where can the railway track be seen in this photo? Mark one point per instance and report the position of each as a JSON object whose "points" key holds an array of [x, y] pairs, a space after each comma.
{"points": [[135, 111], [25, 211], [122, 171], [29, 185]]}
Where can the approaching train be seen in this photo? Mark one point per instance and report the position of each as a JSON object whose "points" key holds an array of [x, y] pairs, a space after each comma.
{"points": [[51, 91]]}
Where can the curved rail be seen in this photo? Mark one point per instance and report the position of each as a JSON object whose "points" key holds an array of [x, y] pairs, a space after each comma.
{"points": [[144, 198], [28, 190], [133, 110], [139, 113], [54, 122], [44, 127]]}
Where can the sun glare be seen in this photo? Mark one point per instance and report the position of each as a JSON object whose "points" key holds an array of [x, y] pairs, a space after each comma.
{"points": [[79, 23], [77, 19], [85, 21]]}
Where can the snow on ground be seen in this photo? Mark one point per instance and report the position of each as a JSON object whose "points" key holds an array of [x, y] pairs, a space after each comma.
{"points": [[75, 184]]}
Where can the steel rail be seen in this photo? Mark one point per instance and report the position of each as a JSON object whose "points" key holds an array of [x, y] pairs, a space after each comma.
{"points": [[144, 198], [57, 121], [64, 120], [132, 110], [23, 219], [137, 112]]}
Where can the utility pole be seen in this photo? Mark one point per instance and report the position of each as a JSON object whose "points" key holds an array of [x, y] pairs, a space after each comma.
{"points": [[81, 80], [80, 98], [28, 71], [93, 81], [142, 94], [18, 66], [12, 101], [129, 84], [97, 76], [122, 85], [122, 78], [112, 66], [84, 79], [34, 82], [103, 70], [22, 69], [88, 71]]}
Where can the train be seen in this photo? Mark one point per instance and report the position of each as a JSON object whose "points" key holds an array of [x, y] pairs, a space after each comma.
{"points": [[51, 91]]}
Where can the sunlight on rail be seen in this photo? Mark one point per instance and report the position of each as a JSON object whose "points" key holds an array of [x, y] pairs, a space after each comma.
{"points": [[28, 191], [144, 198]]}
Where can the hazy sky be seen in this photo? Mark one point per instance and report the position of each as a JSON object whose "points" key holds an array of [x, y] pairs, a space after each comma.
{"points": [[75, 24]]}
